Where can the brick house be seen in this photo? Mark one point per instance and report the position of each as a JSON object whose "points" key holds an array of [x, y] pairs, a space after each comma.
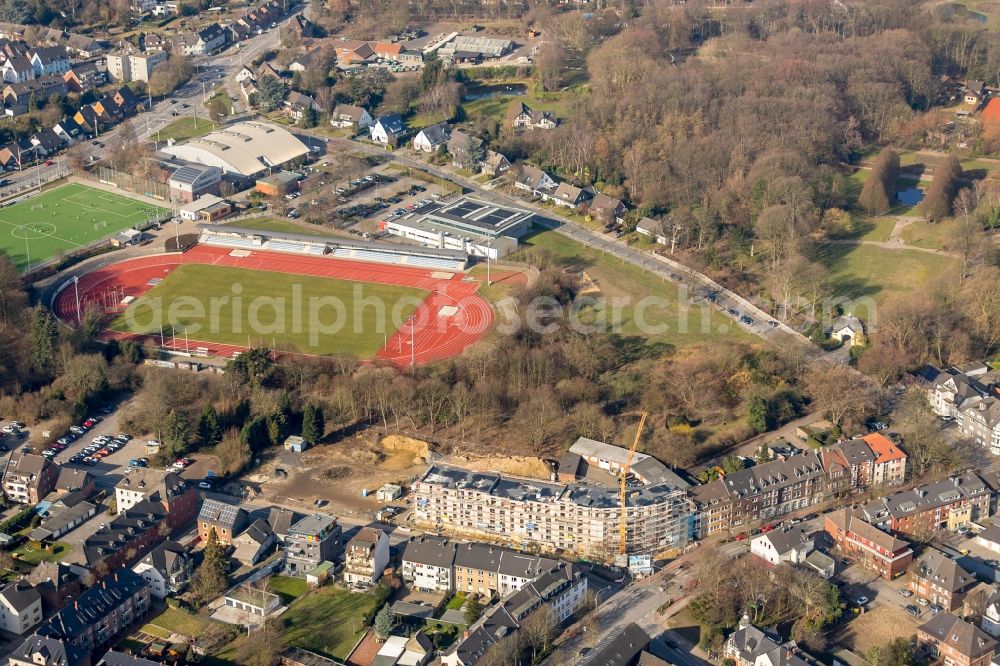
{"points": [[952, 641], [866, 544], [169, 490], [30, 478], [950, 504], [939, 579], [226, 519]]}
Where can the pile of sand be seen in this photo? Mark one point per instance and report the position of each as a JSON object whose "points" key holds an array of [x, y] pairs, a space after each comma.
{"points": [[525, 466], [405, 449]]}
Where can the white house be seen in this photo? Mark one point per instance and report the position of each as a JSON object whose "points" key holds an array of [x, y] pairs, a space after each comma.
{"points": [[366, 557], [427, 563], [167, 568], [991, 615], [430, 138], [388, 130], [50, 60], [783, 545], [848, 328], [347, 115], [20, 607], [245, 74], [18, 70]]}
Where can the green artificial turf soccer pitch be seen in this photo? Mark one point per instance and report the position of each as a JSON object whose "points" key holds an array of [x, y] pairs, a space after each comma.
{"points": [[191, 288], [65, 218]]}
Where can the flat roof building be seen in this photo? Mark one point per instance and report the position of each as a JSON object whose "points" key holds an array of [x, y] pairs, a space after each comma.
{"points": [[468, 224], [245, 149]]}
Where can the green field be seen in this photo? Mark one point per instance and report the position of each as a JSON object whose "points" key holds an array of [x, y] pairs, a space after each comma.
{"points": [[187, 127], [274, 309], [284, 226], [64, 219], [867, 270], [633, 292]]}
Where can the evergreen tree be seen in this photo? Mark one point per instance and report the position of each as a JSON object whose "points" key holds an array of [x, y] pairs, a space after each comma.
{"points": [[209, 426], [310, 118], [312, 424], [941, 193], [385, 622], [757, 414], [473, 609], [212, 576], [176, 433], [44, 338]]}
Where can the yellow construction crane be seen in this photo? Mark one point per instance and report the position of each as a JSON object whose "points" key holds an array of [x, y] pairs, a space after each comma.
{"points": [[623, 541]]}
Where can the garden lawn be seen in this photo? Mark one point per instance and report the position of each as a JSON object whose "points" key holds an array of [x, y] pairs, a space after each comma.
{"points": [[867, 270], [175, 620], [66, 218], [280, 305], [328, 621], [287, 587], [284, 226], [30, 555], [642, 300]]}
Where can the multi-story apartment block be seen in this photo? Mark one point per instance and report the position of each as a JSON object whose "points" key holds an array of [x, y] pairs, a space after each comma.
{"points": [[41, 651], [952, 641], [427, 563], [889, 468], [581, 517], [939, 579], [562, 587], [948, 504], [366, 556], [968, 394], [311, 541], [485, 569], [101, 613], [167, 489], [30, 478], [866, 544]]}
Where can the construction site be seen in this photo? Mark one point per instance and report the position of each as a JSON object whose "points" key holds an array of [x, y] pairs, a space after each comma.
{"points": [[603, 502]]}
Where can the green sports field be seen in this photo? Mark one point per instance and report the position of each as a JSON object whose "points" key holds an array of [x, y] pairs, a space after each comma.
{"points": [[234, 306], [64, 219]]}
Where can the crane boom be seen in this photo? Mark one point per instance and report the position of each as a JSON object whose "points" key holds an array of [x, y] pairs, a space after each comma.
{"points": [[623, 533]]}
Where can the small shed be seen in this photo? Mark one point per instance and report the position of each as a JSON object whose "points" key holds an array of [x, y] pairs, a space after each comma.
{"points": [[152, 447], [390, 492], [127, 238], [296, 444]]}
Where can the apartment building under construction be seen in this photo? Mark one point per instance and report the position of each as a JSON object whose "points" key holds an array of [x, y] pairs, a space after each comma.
{"points": [[580, 517]]}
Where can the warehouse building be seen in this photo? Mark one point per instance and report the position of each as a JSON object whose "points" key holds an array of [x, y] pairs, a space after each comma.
{"points": [[246, 149]]}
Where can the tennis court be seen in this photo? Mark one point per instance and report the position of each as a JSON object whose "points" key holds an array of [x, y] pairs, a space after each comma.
{"points": [[67, 218]]}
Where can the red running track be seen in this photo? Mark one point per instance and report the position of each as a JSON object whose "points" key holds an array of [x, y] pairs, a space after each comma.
{"points": [[435, 336]]}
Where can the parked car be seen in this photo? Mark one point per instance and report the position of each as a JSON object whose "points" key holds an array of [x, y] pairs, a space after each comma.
{"points": [[923, 602], [912, 610], [205, 485], [906, 593], [77, 430]]}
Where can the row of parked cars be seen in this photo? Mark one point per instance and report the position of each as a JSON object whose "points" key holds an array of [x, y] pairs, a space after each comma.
{"points": [[99, 447]]}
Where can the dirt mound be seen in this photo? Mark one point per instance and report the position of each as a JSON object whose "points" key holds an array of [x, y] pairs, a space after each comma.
{"points": [[404, 452], [526, 466]]}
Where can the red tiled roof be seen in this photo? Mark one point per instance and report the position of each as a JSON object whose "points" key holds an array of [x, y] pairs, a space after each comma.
{"points": [[883, 448], [991, 113]]}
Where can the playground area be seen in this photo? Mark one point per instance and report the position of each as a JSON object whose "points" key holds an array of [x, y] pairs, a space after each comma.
{"points": [[73, 216]]}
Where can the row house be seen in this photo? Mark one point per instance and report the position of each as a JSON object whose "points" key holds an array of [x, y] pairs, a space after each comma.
{"points": [[102, 613], [766, 491], [872, 460], [862, 542], [176, 496], [84, 76], [563, 588], [578, 517], [30, 478], [56, 583], [486, 569], [950, 640], [427, 563], [950, 504], [128, 536], [939, 579]]}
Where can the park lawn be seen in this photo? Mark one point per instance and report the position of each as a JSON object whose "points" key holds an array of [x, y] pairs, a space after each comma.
{"points": [[175, 620], [937, 236], [187, 127], [328, 621], [66, 218], [210, 289], [869, 271], [284, 226], [626, 288], [288, 587], [868, 228]]}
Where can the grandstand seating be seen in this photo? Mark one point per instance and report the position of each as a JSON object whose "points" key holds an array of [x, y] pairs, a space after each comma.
{"points": [[231, 241], [298, 248]]}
